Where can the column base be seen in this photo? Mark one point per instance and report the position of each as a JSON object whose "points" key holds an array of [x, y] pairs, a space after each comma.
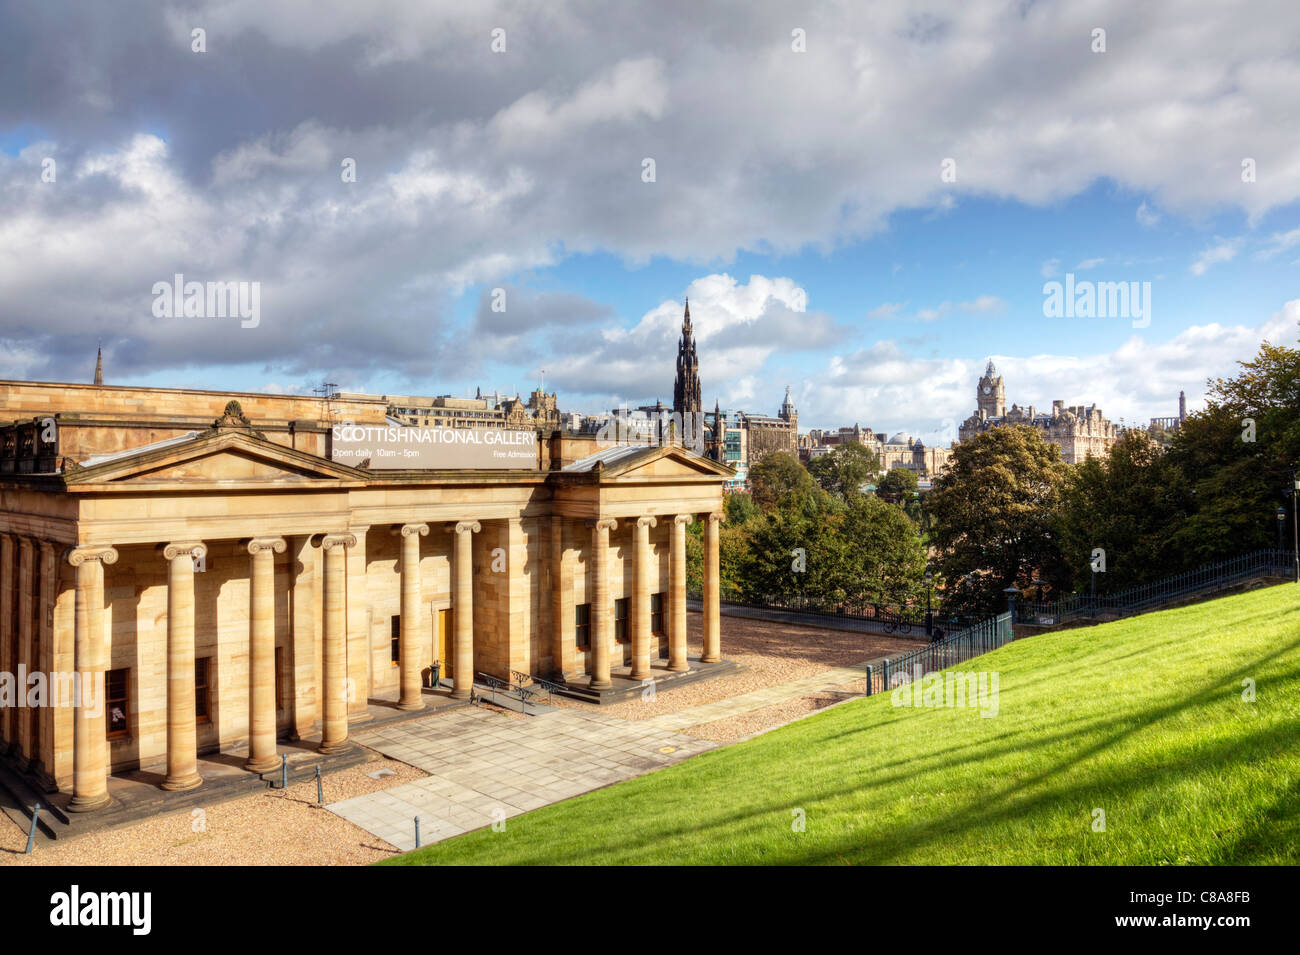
{"points": [[678, 667], [334, 749], [460, 694], [417, 705], [640, 675], [180, 784], [88, 803], [599, 684], [711, 659], [262, 764]]}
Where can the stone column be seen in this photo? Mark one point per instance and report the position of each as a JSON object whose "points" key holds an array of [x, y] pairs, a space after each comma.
{"points": [[558, 636], [262, 757], [336, 691], [677, 595], [182, 736], [44, 757], [712, 606], [462, 606], [8, 714], [26, 665], [410, 639], [89, 735], [641, 600], [601, 622]]}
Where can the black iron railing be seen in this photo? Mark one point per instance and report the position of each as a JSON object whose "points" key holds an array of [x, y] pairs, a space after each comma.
{"points": [[971, 642], [1221, 575]]}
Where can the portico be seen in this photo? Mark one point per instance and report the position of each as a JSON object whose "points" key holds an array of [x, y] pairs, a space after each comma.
{"points": [[222, 589]]}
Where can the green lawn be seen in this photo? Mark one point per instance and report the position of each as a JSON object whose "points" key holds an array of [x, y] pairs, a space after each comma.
{"points": [[1143, 718]]}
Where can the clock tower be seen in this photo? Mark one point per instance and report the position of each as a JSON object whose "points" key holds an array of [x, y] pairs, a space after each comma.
{"points": [[990, 394]]}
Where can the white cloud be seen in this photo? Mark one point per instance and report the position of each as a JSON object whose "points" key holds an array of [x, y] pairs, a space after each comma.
{"points": [[1146, 216], [884, 388], [1050, 268], [1222, 251], [1088, 264]]}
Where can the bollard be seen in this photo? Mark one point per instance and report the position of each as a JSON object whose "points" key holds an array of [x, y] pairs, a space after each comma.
{"points": [[884, 671], [284, 770], [320, 792], [870, 676], [31, 834], [417, 832]]}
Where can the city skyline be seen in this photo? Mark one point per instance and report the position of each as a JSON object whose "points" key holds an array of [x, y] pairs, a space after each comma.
{"points": [[868, 241]]}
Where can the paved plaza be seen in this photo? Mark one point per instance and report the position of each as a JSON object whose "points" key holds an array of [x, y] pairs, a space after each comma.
{"points": [[484, 769]]}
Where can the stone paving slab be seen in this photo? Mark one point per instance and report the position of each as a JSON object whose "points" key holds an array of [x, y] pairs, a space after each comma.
{"points": [[485, 768]]}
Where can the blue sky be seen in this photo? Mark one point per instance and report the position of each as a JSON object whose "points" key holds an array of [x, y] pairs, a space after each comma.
{"points": [[798, 199]]}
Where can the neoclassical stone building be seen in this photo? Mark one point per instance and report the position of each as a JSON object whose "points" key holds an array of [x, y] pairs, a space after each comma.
{"points": [[1079, 431], [205, 576]]}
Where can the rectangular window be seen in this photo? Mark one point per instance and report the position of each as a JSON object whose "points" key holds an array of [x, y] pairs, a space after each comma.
{"points": [[117, 684], [396, 639], [202, 672], [279, 678], [657, 614], [620, 619], [582, 625]]}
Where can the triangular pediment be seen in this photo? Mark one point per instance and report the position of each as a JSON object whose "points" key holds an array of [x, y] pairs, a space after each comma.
{"points": [[215, 458], [664, 463]]}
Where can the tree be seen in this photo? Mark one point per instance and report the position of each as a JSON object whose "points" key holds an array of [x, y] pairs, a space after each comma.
{"points": [[1130, 505], [898, 485], [796, 551], [740, 509], [845, 470], [777, 479], [993, 515], [883, 558], [1238, 456]]}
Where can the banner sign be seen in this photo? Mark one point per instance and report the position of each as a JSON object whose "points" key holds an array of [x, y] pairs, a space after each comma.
{"points": [[387, 447]]}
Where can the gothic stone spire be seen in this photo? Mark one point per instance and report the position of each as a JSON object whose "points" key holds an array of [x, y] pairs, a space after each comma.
{"points": [[686, 386]]}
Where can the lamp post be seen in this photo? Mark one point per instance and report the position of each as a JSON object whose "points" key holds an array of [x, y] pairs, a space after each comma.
{"points": [[929, 617], [1295, 520], [1281, 523]]}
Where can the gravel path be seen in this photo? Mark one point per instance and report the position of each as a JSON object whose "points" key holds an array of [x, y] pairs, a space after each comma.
{"points": [[276, 827]]}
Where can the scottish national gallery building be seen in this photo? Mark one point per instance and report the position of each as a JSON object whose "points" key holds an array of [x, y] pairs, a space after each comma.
{"points": [[192, 572]]}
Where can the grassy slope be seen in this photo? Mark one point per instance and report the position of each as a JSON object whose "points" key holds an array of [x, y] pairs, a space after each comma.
{"points": [[1143, 718]]}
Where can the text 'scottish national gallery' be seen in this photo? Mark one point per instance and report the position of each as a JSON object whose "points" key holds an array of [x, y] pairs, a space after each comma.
{"points": [[186, 572]]}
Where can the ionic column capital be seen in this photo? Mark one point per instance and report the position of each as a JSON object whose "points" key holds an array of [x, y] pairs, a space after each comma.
{"points": [[174, 549], [647, 522], [259, 545], [409, 530], [102, 553], [717, 517], [465, 527], [683, 518], [330, 541], [602, 524]]}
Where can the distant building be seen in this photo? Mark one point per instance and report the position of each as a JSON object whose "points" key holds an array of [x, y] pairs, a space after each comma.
{"points": [[1078, 431], [493, 411], [1173, 424]]}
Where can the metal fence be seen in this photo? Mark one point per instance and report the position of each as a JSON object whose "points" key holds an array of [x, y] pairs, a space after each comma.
{"points": [[896, 616], [1222, 575], [981, 638]]}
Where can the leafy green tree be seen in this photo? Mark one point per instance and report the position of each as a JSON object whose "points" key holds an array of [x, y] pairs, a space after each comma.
{"points": [[1238, 457], [993, 518], [845, 469], [1131, 504], [898, 485], [883, 560], [779, 479], [740, 509], [796, 551]]}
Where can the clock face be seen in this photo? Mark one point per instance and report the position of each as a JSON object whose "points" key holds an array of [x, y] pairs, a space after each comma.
{"points": [[988, 389]]}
